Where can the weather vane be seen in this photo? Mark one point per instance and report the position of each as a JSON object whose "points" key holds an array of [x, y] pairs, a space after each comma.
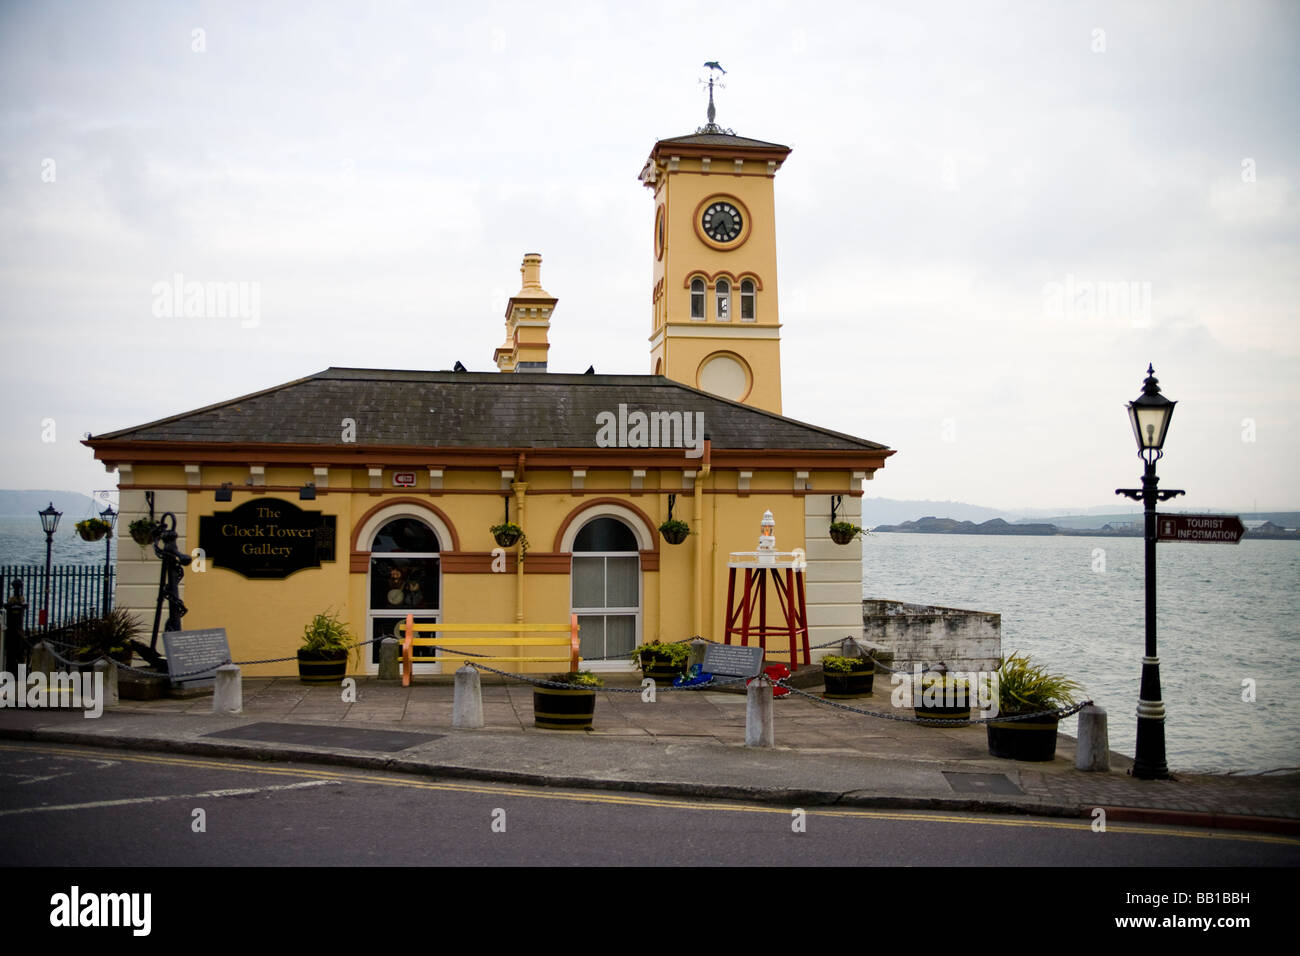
{"points": [[714, 68]]}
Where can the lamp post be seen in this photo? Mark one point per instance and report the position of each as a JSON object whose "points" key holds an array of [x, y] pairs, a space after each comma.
{"points": [[109, 515], [1149, 414], [49, 524]]}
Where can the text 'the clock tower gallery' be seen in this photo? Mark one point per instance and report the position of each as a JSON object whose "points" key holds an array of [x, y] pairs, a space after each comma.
{"points": [[715, 324]]}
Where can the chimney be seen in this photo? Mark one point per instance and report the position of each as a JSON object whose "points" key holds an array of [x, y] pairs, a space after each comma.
{"points": [[528, 318]]}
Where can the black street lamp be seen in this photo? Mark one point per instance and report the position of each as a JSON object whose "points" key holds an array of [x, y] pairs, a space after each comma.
{"points": [[109, 515], [1150, 413], [49, 524]]}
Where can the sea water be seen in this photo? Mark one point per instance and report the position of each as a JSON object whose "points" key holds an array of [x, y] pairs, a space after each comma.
{"points": [[1228, 628]]}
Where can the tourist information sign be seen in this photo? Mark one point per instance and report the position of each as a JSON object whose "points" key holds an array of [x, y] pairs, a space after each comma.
{"points": [[1226, 529]]}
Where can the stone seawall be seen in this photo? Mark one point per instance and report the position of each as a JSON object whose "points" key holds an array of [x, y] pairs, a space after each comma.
{"points": [[927, 634]]}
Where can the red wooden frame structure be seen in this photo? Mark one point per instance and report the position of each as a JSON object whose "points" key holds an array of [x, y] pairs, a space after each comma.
{"points": [[790, 596]]}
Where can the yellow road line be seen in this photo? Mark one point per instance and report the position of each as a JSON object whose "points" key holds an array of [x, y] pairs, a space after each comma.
{"points": [[636, 800]]}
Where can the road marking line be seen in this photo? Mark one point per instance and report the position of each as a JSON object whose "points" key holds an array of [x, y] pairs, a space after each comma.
{"points": [[207, 794], [537, 793]]}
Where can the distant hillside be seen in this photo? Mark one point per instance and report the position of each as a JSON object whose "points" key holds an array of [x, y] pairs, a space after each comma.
{"points": [[889, 511], [22, 503]]}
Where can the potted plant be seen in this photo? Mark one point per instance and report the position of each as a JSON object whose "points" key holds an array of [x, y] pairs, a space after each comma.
{"points": [[674, 530], [842, 532], [847, 677], [323, 657], [143, 530], [108, 636], [941, 697], [508, 533], [662, 662], [92, 529], [570, 707], [1024, 688]]}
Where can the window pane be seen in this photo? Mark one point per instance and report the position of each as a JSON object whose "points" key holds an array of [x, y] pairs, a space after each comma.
{"points": [[406, 534], [403, 583], [622, 587], [588, 582], [697, 305], [620, 633], [605, 534], [746, 301], [591, 634]]}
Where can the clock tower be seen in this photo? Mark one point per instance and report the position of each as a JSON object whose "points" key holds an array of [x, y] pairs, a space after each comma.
{"points": [[715, 324]]}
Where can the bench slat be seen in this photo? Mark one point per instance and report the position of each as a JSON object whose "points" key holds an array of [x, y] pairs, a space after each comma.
{"points": [[544, 628]]}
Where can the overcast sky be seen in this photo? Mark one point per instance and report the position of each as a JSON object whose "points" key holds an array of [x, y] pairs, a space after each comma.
{"points": [[961, 172]]}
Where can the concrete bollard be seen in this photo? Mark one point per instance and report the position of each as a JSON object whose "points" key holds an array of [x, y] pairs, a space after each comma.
{"points": [[109, 669], [467, 705], [758, 713], [388, 659], [43, 660], [1093, 752], [228, 690]]}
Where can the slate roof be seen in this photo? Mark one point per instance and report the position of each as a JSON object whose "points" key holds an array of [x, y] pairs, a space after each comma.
{"points": [[472, 410], [720, 139]]}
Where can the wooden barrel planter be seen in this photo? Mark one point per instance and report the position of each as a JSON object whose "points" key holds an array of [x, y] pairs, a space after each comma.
{"points": [[1024, 739], [660, 668], [555, 709], [322, 667], [842, 685], [948, 705]]}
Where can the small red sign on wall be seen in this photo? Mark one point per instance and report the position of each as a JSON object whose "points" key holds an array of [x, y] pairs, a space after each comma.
{"points": [[404, 479]]}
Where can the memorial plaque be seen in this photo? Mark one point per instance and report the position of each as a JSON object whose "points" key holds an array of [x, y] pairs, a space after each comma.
{"points": [[190, 651], [267, 538], [732, 660]]}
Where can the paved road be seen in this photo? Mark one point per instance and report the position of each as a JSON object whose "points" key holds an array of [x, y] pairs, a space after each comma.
{"points": [[70, 806]]}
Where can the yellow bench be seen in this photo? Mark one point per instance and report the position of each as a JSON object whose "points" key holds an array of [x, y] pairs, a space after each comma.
{"points": [[410, 642]]}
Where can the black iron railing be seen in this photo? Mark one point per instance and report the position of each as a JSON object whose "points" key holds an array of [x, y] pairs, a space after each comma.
{"points": [[76, 591]]}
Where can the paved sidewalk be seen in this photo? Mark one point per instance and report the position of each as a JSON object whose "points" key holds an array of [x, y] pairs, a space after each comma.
{"points": [[686, 742]]}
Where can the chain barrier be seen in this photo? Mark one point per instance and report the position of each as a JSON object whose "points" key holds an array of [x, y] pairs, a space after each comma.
{"points": [[542, 682], [205, 670], [1061, 712]]}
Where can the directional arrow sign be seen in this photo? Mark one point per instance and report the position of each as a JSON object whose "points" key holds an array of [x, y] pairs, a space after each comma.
{"points": [[1226, 529]]}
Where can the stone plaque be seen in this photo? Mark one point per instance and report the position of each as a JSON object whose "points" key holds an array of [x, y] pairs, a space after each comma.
{"points": [[267, 538], [189, 651], [732, 660]]}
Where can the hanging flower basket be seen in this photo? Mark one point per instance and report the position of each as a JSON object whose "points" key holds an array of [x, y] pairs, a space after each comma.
{"points": [[842, 532], [92, 529], [143, 530], [506, 534], [675, 531]]}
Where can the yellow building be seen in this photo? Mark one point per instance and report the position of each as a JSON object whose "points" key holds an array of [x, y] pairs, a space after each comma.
{"points": [[372, 491]]}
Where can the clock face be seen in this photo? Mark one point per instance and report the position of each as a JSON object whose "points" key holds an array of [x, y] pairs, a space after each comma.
{"points": [[722, 222]]}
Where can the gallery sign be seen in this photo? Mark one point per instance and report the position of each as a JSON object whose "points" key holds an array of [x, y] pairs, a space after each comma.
{"points": [[267, 538]]}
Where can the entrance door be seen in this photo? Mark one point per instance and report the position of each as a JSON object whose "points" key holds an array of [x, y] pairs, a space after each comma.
{"points": [[405, 578]]}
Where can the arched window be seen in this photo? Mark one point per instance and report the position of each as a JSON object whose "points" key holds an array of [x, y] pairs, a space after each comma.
{"points": [[405, 578], [723, 289], [747, 300], [697, 298], [606, 581]]}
